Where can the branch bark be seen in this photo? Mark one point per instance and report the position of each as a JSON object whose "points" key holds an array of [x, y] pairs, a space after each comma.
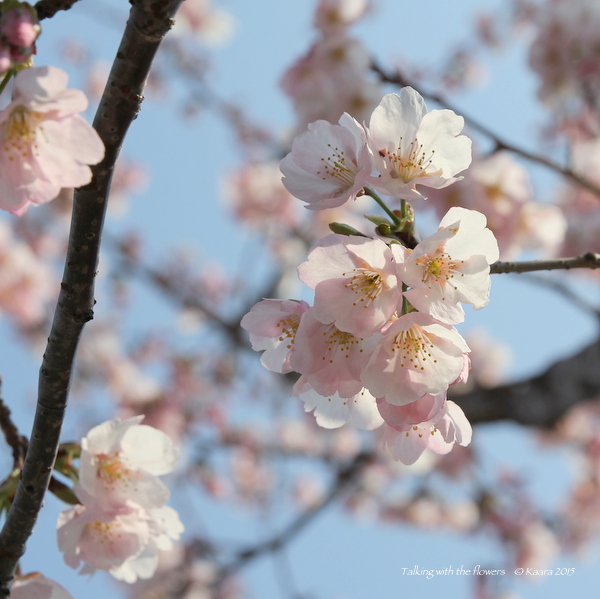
{"points": [[589, 260], [148, 23], [542, 400]]}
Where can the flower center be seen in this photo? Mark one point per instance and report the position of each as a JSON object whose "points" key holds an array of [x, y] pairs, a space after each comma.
{"points": [[337, 166], [365, 283], [339, 342], [289, 327], [439, 269], [111, 469], [415, 347], [410, 162], [20, 132]]}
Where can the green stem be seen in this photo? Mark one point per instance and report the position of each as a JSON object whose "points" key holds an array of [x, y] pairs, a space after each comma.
{"points": [[6, 79], [373, 194]]}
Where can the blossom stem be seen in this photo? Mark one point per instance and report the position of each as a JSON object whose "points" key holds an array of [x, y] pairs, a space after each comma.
{"points": [[6, 79], [375, 196]]}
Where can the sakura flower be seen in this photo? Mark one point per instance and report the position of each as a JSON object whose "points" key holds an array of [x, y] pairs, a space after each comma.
{"points": [[333, 77], [120, 462], [328, 165], [44, 144], [410, 146], [416, 355], [408, 442], [355, 283], [335, 411], [331, 360], [450, 266], [272, 324], [37, 586], [126, 544], [333, 16]]}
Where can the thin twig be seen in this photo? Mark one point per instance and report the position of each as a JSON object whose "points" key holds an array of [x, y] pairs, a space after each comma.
{"points": [[501, 144], [148, 22], [588, 260], [16, 441]]}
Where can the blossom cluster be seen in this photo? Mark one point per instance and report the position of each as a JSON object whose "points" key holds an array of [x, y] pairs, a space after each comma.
{"points": [[403, 146], [379, 344], [19, 29], [122, 521]]}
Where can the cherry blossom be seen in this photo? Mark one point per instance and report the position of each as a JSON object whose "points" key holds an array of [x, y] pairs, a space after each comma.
{"points": [[258, 198], [272, 324], [451, 266], [120, 462], [416, 355], [411, 146], [328, 165], [355, 283], [45, 144], [331, 360], [37, 586], [333, 16], [334, 411], [407, 443], [124, 543], [332, 78]]}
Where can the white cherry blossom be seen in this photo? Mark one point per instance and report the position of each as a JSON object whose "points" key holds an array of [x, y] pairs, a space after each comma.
{"points": [[120, 462], [410, 146], [416, 355], [328, 165]]}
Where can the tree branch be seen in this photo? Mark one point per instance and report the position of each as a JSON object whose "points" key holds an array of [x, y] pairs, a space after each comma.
{"points": [[48, 8], [542, 400], [589, 260], [148, 23], [501, 144]]}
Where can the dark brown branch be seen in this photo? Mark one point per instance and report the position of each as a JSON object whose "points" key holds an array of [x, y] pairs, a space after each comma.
{"points": [[345, 478], [542, 400], [148, 22], [589, 260], [500, 144], [16, 441], [48, 8]]}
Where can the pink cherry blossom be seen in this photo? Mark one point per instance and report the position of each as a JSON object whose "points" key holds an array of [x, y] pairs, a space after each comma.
{"points": [[120, 462], [45, 144], [451, 266], [258, 198], [416, 355], [411, 146], [272, 324], [355, 283], [333, 77], [330, 360], [124, 543], [328, 165], [334, 411], [37, 586], [333, 16], [408, 442]]}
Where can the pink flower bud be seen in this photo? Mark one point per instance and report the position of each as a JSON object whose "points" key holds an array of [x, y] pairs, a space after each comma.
{"points": [[20, 27]]}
